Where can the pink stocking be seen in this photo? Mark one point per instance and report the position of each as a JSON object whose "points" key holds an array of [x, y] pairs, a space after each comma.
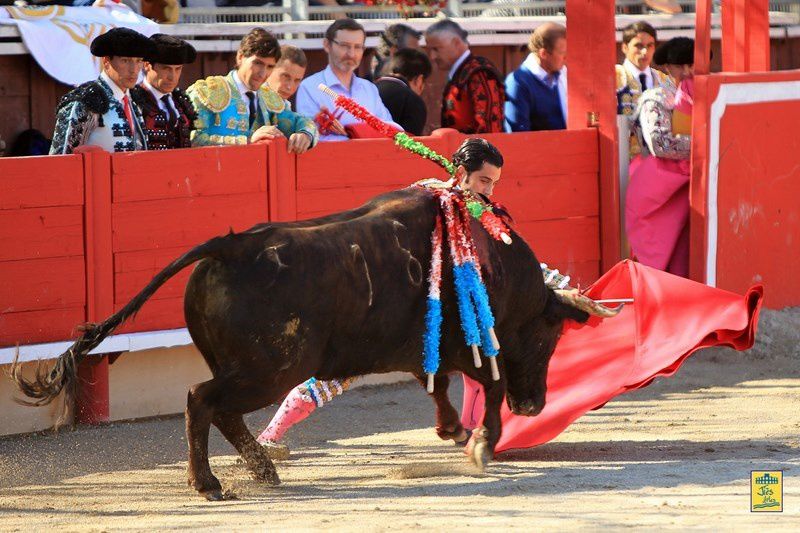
{"points": [[472, 408], [294, 409]]}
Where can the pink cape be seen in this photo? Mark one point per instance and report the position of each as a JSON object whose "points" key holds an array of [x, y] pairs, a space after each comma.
{"points": [[671, 318], [657, 213]]}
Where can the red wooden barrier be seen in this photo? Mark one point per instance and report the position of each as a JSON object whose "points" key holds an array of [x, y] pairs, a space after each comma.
{"points": [[42, 279], [337, 176], [91, 401], [165, 203], [745, 183], [550, 186], [591, 102], [745, 35]]}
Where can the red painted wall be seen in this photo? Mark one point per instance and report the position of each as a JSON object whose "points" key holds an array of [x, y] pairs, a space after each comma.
{"points": [[759, 201], [42, 269], [758, 176]]}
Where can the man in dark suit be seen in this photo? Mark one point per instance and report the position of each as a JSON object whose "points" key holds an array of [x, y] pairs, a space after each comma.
{"points": [[168, 114], [536, 93], [472, 101], [401, 87]]}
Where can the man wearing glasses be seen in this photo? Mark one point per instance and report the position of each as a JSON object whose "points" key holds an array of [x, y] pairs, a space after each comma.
{"points": [[344, 43]]}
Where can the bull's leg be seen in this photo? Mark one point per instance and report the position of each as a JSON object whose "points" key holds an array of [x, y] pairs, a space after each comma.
{"points": [[448, 424], [485, 438], [234, 429], [199, 414]]}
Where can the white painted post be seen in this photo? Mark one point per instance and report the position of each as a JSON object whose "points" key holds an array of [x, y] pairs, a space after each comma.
{"points": [[624, 128]]}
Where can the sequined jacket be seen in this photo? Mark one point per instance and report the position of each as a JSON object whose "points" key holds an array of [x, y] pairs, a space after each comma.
{"points": [[629, 89], [473, 100], [653, 125], [90, 115], [223, 115], [161, 135]]}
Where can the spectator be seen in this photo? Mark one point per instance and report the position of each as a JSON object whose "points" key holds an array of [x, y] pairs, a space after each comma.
{"points": [[635, 75], [237, 108], [657, 199], [167, 112], [401, 87], [344, 43], [288, 72], [30, 142], [474, 95], [101, 112], [395, 37], [537, 90]]}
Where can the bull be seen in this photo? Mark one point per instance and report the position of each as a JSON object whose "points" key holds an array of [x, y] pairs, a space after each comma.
{"points": [[337, 297]]}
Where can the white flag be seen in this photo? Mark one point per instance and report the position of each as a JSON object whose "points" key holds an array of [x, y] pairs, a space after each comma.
{"points": [[58, 37]]}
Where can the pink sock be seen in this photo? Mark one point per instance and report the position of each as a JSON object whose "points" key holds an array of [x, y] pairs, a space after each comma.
{"points": [[472, 408], [294, 409]]}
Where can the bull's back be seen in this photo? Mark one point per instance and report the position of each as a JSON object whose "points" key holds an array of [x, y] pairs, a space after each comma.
{"points": [[352, 283]]}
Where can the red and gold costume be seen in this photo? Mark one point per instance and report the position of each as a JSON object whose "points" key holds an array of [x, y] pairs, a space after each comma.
{"points": [[473, 99]]}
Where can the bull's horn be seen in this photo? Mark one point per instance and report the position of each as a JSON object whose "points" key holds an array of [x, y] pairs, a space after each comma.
{"points": [[574, 298]]}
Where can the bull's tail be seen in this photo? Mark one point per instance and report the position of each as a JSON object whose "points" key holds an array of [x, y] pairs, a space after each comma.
{"points": [[46, 386]]}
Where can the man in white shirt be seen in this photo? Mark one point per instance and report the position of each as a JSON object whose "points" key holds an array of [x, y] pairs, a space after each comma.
{"points": [[101, 112], [635, 75], [344, 43], [167, 112]]}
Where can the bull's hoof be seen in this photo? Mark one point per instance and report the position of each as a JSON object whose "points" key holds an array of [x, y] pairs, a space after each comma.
{"points": [[455, 433], [266, 474], [463, 439], [478, 450], [276, 451], [214, 495]]}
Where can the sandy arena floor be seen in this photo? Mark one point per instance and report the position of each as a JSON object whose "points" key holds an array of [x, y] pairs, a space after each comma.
{"points": [[675, 455]]}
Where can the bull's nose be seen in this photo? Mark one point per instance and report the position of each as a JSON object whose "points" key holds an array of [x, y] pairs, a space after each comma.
{"points": [[528, 408]]}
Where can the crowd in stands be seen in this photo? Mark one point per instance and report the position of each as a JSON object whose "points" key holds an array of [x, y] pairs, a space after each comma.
{"points": [[136, 104]]}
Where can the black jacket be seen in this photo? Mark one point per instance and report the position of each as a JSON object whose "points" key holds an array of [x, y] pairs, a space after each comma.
{"points": [[406, 106]]}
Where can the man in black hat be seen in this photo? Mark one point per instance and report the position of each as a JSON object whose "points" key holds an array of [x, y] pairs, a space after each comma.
{"points": [[101, 112], [168, 113]]}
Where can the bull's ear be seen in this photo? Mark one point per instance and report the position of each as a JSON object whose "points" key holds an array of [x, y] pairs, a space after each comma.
{"points": [[501, 211]]}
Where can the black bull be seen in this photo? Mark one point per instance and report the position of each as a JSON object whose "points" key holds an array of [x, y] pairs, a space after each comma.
{"points": [[336, 297]]}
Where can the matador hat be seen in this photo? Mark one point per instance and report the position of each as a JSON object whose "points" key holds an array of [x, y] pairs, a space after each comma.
{"points": [[122, 42], [171, 50], [676, 51]]}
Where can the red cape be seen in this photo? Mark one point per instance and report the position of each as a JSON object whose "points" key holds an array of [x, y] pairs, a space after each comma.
{"points": [[670, 319]]}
